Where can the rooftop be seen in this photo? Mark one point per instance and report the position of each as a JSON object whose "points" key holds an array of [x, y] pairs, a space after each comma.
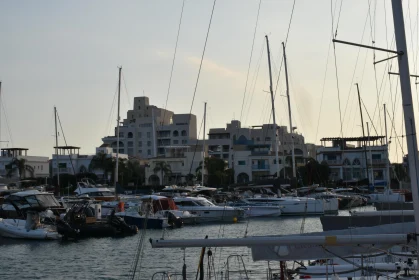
{"points": [[353, 139], [14, 149]]}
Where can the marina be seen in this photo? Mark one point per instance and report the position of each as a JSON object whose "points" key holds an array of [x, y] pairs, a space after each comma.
{"points": [[288, 170]]}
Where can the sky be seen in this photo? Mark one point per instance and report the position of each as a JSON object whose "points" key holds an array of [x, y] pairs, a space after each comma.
{"points": [[66, 54]]}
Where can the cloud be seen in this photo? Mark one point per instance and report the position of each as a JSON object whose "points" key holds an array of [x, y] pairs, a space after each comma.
{"points": [[209, 65]]}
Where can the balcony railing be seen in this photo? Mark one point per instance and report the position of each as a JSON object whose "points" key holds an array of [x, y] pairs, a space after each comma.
{"points": [[333, 162], [260, 166], [377, 161]]}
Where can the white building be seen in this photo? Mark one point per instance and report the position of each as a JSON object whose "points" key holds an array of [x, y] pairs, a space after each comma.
{"points": [[349, 162], [38, 166], [251, 151], [147, 130], [71, 162], [183, 160]]}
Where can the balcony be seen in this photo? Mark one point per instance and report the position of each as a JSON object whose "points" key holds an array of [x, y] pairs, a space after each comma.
{"points": [[260, 167], [377, 161], [333, 162]]}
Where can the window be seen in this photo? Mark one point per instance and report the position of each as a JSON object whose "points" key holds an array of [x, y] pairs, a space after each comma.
{"points": [[175, 141], [184, 141], [241, 162], [130, 144], [148, 134], [121, 134], [175, 133], [130, 135], [376, 156], [140, 135], [140, 151], [140, 144], [148, 143], [267, 138], [139, 107], [274, 161], [184, 133], [257, 138], [149, 152]]}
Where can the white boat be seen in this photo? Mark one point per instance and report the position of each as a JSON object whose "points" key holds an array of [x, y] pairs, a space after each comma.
{"points": [[86, 188], [299, 205], [387, 196], [29, 229], [258, 209], [208, 211]]}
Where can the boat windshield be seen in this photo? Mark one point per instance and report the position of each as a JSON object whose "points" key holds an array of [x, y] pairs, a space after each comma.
{"points": [[203, 203], [40, 200]]}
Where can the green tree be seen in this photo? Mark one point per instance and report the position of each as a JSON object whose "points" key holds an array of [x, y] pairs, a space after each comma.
{"points": [[164, 169], [20, 166], [313, 172], [103, 162]]}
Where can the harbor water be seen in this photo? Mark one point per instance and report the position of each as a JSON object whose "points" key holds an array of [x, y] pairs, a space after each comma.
{"points": [[112, 258]]}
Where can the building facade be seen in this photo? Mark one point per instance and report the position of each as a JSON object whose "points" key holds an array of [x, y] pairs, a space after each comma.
{"points": [[354, 158], [37, 166], [147, 130]]}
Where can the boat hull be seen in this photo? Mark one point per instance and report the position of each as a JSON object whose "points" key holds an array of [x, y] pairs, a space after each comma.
{"points": [[12, 228], [346, 222], [152, 222]]}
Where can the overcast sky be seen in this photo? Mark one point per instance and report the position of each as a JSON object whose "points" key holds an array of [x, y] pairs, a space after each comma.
{"points": [[66, 53]]}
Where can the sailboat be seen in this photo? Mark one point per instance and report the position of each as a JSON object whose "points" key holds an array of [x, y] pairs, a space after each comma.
{"points": [[320, 245]]}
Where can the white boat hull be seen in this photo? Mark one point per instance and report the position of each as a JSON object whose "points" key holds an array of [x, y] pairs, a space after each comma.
{"points": [[212, 214], [262, 211], [13, 228]]}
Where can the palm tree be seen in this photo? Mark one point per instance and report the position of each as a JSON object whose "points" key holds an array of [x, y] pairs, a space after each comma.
{"points": [[103, 162], [20, 166], [198, 170], [163, 167]]}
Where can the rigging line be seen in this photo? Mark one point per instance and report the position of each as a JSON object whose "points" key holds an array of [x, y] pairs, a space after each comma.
{"points": [[196, 146], [356, 66], [250, 60], [7, 121], [338, 90], [109, 122], [173, 61], [126, 90], [254, 83], [369, 117], [285, 43], [65, 141], [337, 24], [202, 59]]}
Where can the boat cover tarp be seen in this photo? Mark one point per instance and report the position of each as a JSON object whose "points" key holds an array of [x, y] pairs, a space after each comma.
{"points": [[311, 252]]}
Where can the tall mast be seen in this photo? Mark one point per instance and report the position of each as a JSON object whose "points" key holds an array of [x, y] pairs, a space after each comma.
{"points": [[409, 117], [372, 168], [363, 132], [387, 155], [0, 114], [203, 144], [294, 174], [117, 134], [273, 108], [56, 150]]}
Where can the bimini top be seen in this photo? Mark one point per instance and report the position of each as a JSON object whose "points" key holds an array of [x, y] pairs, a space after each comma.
{"points": [[353, 139]]}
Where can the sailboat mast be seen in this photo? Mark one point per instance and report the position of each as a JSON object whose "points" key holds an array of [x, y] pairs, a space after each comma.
{"points": [[363, 131], [372, 168], [388, 157], [203, 145], [117, 134], [409, 117], [273, 108], [294, 174], [56, 150]]}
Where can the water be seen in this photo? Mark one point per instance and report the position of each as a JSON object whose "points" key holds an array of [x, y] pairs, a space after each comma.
{"points": [[112, 258]]}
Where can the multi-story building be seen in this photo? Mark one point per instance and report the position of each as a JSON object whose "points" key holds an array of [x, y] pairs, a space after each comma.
{"points": [[367, 157], [182, 161], [37, 165], [71, 162], [147, 130]]}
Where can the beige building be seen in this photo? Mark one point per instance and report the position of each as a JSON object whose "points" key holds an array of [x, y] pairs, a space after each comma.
{"points": [[37, 166], [147, 130]]}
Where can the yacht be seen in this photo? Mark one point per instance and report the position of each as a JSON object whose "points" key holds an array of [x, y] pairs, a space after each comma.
{"points": [[298, 205], [254, 209], [208, 211], [87, 188]]}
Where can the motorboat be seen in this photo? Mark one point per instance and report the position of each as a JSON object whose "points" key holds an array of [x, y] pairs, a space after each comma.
{"points": [[86, 188], [84, 219], [298, 205], [257, 209], [31, 228], [30, 199], [207, 211]]}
